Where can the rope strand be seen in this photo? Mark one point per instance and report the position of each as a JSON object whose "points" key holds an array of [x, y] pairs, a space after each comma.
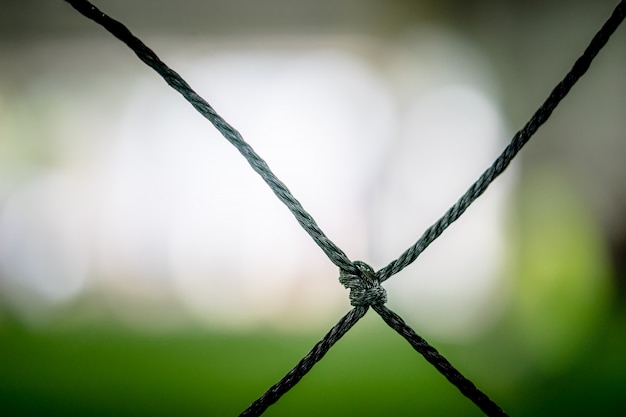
{"points": [[467, 388], [304, 366], [517, 143], [145, 54]]}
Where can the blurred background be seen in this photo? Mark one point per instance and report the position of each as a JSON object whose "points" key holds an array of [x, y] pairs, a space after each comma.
{"points": [[145, 269]]}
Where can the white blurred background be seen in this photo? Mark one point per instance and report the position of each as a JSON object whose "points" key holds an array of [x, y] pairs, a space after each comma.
{"points": [[117, 198]]}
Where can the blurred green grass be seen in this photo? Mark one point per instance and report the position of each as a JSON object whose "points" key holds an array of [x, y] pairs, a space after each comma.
{"points": [[114, 371]]}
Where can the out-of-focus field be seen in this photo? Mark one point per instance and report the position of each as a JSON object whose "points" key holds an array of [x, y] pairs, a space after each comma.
{"points": [[112, 371]]}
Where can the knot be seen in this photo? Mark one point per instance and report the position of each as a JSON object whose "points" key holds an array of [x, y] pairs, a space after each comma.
{"points": [[365, 287]]}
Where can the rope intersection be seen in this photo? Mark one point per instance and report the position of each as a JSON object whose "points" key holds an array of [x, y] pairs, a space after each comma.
{"points": [[364, 287], [362, 281]]}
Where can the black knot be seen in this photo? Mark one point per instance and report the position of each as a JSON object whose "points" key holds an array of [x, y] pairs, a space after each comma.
{"points": [[365, 287]]}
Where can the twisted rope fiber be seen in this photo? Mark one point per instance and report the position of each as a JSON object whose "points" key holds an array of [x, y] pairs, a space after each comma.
{"points": [[145, 54], [364, 283], [304, 366], [444, 367], [365, 287], [517, 143]]}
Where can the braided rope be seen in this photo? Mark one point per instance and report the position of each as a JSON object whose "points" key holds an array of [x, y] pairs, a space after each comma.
{"points": [[145, 54], [304, 366], [517, 143], [363, 282], [444, 367]]}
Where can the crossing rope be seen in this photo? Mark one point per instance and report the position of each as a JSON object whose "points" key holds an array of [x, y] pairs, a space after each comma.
{"points": [[362, 281]]}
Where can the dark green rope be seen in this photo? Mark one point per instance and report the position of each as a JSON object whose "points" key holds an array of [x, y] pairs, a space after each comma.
{"points": [[304, 366], [445, 368], [117, 29], [517, 143]]}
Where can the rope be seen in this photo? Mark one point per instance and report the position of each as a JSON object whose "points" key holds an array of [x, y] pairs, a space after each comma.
{"points": [[117, 29], [360, 278], [304, 366], [431, 354], [517, 143]]}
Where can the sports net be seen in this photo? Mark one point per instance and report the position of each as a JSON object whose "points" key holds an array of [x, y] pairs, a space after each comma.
{"points": [[363, 282]]}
